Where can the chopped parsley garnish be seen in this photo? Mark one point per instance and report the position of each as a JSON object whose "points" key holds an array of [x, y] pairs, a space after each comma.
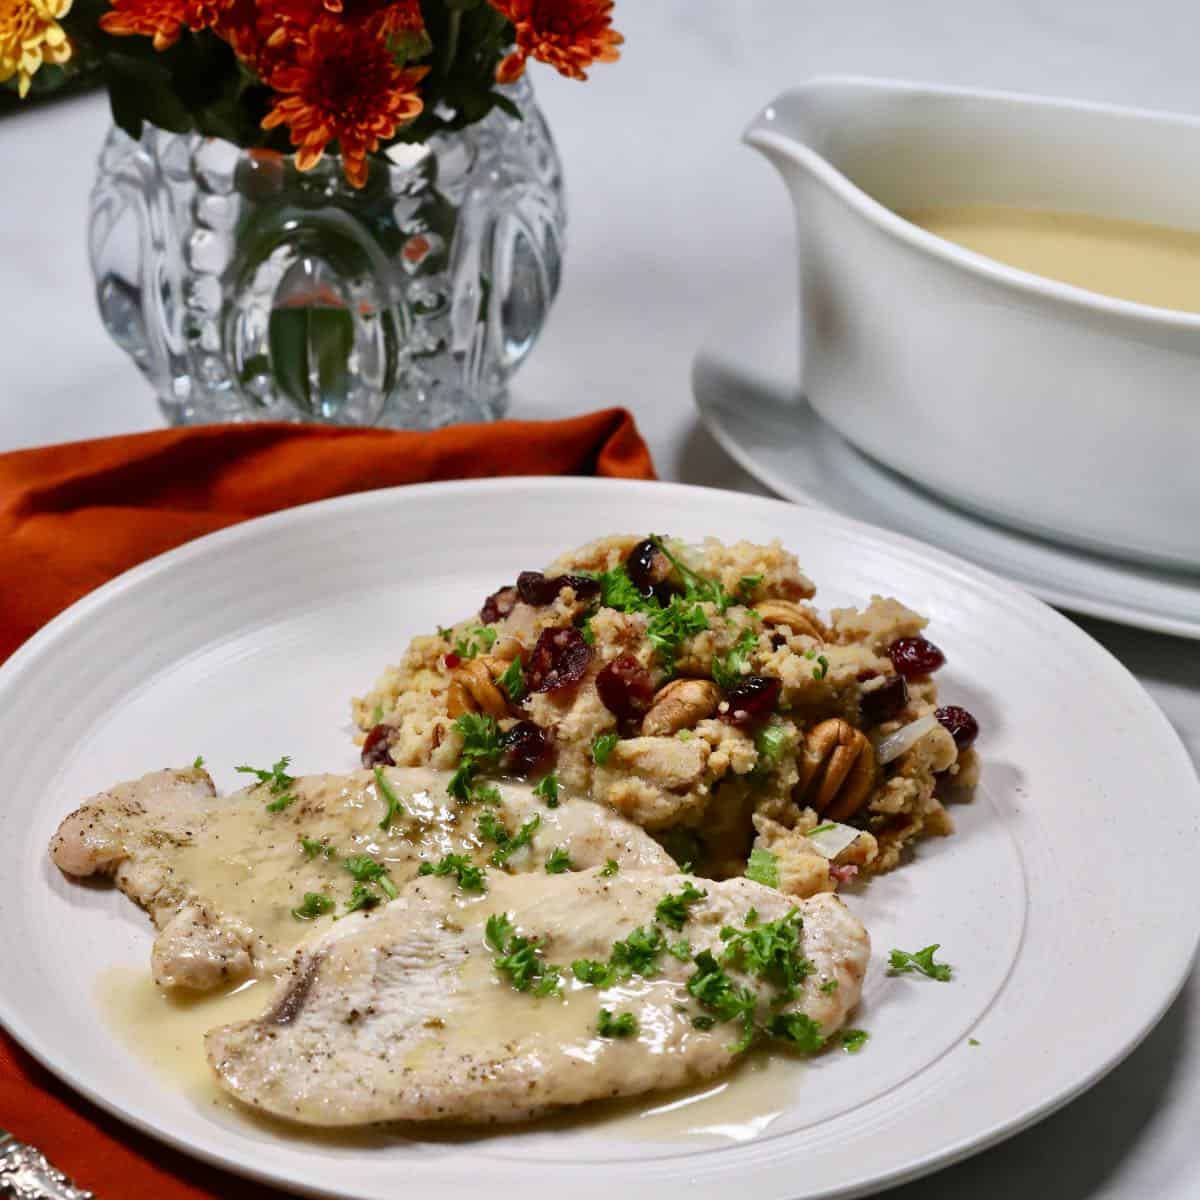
{"points": [[497, 931], [586, 631], [198, 762], [444, 633], [521, 838], [312, 848], [591, 970], [476, 639], [900, 962], [770, 742], [822, 667], [470, 877], [668, 628], [745, 588], [394, 807], [728, 669], [520, 958], [621, 1026], [972, 1042], [481, 748], [721, 996], [681, 950], [618, 591], [763, 867], [672, 909], [316, 904], [696, 586], [853, 1040], [492, 829], [824, 828], [276, 780], [377, 714], [361, 898], [513, 680], [798, 1029], [610, 868], [602, 747], [638, 953], [546, 789], [770, 951], [558, 862], [366, 870], [829, 987], [703, 1022]]}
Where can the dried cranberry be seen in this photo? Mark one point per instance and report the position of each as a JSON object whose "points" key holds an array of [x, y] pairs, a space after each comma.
{"points": [[526, 746], [625, 688], [646, 565], [376, 752], [583, 586], [534, 588], [752, 700], [959, 723], [885, 701], [649, 569], [559, 659], [498, 605], [452, 660], [915, 656]]}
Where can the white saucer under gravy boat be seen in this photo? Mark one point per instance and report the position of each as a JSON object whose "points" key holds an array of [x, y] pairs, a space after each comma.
{"points": [[745, 388], [1054, 409]]}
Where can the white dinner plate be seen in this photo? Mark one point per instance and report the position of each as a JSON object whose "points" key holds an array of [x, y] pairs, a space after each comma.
{"points": [[747, 399], [1067, 901]]}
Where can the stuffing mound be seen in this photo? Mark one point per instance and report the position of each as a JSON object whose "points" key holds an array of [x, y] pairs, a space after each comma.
{"points": [[696, 691]]}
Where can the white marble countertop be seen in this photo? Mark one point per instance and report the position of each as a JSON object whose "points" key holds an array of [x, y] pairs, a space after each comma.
{"points": [[678, 233]]}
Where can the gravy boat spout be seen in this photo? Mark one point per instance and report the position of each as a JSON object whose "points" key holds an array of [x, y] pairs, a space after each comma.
{"points": [[1063, 412]]}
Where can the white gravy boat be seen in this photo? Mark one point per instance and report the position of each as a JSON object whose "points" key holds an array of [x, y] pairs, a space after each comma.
{"points": [[1055, 409]]}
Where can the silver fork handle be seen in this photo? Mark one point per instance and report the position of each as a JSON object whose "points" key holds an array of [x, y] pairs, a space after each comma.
{"points": [[26, 1175]]}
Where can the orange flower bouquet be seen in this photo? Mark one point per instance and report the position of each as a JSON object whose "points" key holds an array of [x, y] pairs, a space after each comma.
{"points": [[352, 76], [347, 211]]}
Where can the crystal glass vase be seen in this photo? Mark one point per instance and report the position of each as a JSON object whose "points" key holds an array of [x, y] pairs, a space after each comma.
{"points": [[247, 290]]}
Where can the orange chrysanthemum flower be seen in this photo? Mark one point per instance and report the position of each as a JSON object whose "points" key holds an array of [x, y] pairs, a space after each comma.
{"points": [[570, 35], [344, 85], [30, 37], [163, 20]]}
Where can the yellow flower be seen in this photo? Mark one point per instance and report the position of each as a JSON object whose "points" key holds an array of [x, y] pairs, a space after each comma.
{"points": [[30, 35]]}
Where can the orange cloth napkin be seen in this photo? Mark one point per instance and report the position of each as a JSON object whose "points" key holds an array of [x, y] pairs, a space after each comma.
{"points": [[73, 516]]}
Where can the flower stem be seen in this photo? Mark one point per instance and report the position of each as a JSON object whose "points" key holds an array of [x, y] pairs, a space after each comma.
{"points": [[451, 49]]}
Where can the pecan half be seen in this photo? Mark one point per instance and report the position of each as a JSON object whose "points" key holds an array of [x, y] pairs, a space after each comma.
{"points": [[837, 769], [680, 705], [472, 690], [798, 619]]}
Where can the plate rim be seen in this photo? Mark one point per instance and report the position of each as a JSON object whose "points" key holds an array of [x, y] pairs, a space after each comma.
{"points": [[1131, 616], [1181, 763]]}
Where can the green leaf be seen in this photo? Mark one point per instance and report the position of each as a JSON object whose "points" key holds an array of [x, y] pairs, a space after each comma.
{"points": [[621, 1026], [763, 867], [603, 745], [310, 347], [901, 961]]}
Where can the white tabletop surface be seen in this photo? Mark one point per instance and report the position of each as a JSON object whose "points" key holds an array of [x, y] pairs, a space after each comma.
{"points": [[678, 233]]}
